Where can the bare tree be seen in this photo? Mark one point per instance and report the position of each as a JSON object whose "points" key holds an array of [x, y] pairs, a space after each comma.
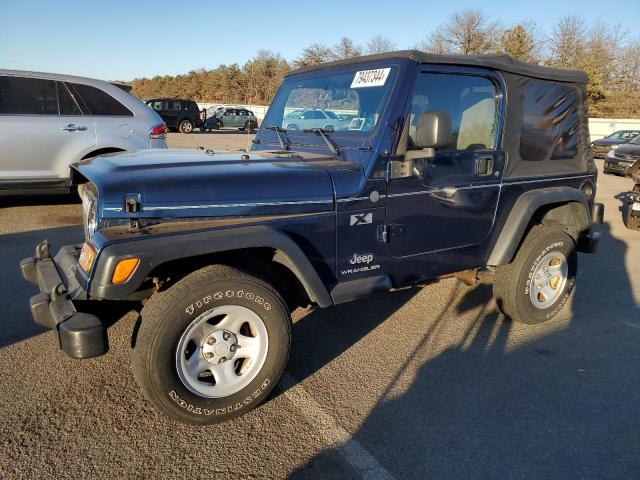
{"points": [[467, 32], [313, 55], [380, 44], [628, 71], [567, 41], [346, 48], [522, 41]]}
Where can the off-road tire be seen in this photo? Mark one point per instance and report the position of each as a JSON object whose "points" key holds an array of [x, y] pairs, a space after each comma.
{"points": [[186, 126], [167, 315], [512, 282]]}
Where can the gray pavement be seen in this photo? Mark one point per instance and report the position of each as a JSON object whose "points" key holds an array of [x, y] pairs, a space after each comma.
{"points": [[430, 383]]}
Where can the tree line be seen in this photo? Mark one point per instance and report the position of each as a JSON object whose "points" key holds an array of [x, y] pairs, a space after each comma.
{"points": [[606, 52]]}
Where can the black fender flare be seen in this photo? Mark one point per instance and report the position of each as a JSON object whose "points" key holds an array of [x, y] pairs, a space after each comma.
{"points": [[523, 211], [157, 250]]}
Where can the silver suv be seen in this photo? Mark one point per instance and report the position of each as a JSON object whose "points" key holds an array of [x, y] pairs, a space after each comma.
{"points": [[48, 121]]}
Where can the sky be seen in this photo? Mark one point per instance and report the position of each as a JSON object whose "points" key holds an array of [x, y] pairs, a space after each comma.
{"points": [[122, 40]]}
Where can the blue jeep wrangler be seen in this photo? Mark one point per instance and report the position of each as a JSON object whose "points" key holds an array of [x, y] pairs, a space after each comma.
{"points": [[399, 169]]}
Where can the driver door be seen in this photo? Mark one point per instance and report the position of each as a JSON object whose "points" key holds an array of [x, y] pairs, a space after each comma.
{"points": [[449, 200]]}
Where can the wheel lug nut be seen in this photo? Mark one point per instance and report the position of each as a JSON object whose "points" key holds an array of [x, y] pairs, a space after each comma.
{"points": [[211, 340], [223, 359], [208, 355], [232, 348], [226, 335]]}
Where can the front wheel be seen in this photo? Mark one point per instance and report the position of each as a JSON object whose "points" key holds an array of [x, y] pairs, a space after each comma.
{"points": [[537, 284], [213, 346]]}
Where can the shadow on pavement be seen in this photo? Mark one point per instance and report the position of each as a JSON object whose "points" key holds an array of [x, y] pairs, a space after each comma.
{"points": [[501, 400]]}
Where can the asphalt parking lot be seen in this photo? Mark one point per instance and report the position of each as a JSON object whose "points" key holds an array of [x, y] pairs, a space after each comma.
{"points": [[429, 383]]}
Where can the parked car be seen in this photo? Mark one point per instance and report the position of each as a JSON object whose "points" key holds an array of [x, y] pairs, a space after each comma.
{"points": [[49, 121], [311, 118], [619, 160], [223, 246], [604, 145], [241, 118], [631, 207], [178, 113]]}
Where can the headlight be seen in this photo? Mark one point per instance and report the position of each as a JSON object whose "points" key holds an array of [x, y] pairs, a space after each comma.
{"points": [[611, 154], [89, 211], [613, 147]]}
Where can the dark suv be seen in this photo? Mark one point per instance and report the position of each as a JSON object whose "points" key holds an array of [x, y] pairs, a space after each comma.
{"points": [[178, 114], [235, 117], [474, 167]]}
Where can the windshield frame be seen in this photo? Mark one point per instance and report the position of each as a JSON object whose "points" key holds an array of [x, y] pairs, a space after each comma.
{"points": [[344, 139]]}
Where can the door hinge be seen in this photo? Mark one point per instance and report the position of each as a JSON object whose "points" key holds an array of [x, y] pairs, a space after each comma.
{"points": [[386, 233]]}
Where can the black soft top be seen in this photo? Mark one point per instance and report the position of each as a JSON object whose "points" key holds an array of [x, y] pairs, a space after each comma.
{"points": [[501, 62]]}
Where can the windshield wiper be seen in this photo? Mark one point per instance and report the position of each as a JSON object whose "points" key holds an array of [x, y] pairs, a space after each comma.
{"points": [[284, 145], [321, 131]]}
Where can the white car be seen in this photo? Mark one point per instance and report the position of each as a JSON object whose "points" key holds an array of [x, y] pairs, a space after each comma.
{"points": [[48, 121], [302, 119]]}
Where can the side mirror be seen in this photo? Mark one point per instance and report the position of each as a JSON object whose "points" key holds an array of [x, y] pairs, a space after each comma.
{"points": [[433, 130]]}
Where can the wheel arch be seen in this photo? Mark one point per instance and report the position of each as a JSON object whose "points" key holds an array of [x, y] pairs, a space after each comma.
{"points": [[259, 249], [564, 207]]}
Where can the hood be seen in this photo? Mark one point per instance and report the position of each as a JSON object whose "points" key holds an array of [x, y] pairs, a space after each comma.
{"points": [[609, 141], [631, 149], [199, 183]]}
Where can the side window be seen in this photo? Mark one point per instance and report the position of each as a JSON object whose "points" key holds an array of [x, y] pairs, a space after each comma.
{"points": [[469, 103], [68, 105], [99, 102], [549, 121], [156, 105], [28, 96]]}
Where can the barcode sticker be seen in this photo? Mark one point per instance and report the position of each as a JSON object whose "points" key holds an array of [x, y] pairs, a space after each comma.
{"points": [[370, 78]]}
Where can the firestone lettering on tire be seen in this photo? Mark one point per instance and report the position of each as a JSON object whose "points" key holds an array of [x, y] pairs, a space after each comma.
{"points": [[228, 294], [218, 411]]}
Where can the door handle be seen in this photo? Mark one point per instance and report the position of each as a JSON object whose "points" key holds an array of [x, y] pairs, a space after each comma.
{"points": [[72, 128], [484, 165]]}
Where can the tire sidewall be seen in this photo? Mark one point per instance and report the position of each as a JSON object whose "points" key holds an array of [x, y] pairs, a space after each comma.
{"points": [[183, 124], [554, 241], [167, 386]]}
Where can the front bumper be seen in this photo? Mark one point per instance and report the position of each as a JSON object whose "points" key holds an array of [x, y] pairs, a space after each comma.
{"points": [[80, 335], [634, 203], [600, 150], [616, 166]]}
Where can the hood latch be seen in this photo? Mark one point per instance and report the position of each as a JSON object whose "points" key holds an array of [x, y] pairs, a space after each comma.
{"points": [[132, 203]]}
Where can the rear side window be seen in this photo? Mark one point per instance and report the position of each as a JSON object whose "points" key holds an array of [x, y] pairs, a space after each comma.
{"points": [[101, 103], [28, 96], [175, 106], [550, 121], [68, 105]]}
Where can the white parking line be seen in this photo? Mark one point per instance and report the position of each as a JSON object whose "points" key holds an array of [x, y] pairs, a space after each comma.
{"points": [[337, 437]]}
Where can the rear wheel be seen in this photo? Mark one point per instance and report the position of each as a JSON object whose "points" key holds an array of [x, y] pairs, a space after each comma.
{"points": [[537, 284], [250, 127], [212, 346], [186, 126]]}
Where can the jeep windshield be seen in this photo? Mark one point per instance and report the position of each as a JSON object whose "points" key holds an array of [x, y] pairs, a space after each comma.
{"points": [[346, 103]]}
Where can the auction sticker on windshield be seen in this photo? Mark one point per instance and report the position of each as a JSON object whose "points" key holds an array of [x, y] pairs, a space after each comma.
{"points": [[370, 78]]}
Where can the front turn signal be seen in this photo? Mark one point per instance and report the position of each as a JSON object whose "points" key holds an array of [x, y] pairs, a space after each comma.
{"points": [[124, 269], [87, 256]]}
